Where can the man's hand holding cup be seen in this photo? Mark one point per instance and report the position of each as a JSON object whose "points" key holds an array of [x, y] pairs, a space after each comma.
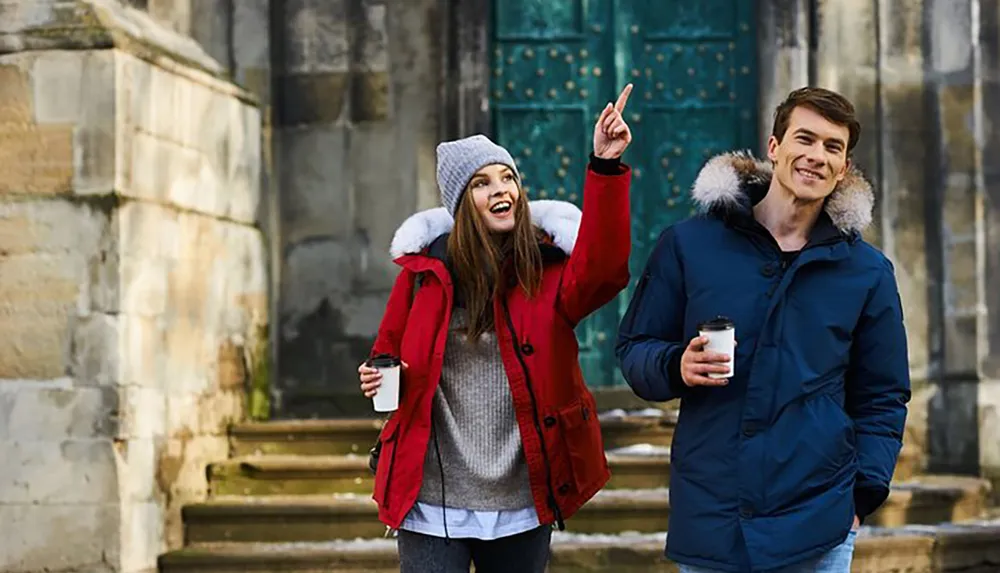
{"points": [[708, 359]]}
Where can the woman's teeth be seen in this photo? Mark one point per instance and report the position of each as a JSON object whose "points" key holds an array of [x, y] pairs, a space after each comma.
{"points": [[501, 207]]}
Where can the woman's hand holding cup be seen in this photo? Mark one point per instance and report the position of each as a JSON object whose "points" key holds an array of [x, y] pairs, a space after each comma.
{"points": [[371, 378]]}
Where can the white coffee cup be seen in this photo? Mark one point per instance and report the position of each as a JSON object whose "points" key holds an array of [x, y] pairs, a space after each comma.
{"points": [[721, 335], [386, 398]]}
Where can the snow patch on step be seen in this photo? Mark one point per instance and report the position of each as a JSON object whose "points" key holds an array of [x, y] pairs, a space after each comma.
{"points": [[641, 450], [338, 545], [657, 494], [615, 539], [619, 413]]}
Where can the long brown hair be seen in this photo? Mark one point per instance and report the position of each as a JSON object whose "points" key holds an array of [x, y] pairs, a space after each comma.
{"points": [[479, 258]]}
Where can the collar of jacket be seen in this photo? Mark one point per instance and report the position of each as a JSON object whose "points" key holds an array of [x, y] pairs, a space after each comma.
{"points": [[426, 233], [729, 185]]}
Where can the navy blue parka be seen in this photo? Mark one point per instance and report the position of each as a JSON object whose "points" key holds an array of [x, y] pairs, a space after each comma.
{"points": [[771, 469]]}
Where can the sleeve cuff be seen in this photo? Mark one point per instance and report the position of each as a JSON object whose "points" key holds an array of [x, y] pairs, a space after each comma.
{"points": [[605, 166], [868, 499], [677, 386]]}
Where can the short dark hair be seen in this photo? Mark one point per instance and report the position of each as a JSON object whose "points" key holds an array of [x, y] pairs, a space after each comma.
{"points": [[829, 104]]}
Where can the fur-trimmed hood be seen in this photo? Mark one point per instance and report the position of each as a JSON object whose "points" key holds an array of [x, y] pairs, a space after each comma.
{"points": [[559, 219], [723, 182]]}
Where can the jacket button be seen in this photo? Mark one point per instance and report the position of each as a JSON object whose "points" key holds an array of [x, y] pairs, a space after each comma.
{"points": [[549, 421], [528, 349], [749, 431], [564, 489], [768, 270], [745, 513]]}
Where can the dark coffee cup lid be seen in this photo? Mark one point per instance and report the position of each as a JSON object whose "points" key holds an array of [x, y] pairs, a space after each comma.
{"points": [[384, 361], [716, 324]]}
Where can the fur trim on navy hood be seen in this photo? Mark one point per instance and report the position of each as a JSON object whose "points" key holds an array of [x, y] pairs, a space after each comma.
{"points": [[723, 181], [559, 219]]}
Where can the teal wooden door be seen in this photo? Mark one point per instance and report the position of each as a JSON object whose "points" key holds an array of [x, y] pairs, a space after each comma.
{"points": [[556, 63]]}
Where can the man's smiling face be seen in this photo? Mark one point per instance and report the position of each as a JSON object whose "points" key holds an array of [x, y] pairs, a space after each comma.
{"points": [[811, 157]]}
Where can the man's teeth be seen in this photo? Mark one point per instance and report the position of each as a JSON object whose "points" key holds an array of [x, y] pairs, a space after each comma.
{"points": [[810, 174]]}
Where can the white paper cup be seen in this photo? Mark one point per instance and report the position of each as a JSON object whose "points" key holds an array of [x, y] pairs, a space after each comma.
{"points": [[721, 335], [386, 398]]}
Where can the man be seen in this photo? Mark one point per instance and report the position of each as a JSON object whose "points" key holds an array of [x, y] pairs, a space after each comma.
{"points": [[774, 467]]}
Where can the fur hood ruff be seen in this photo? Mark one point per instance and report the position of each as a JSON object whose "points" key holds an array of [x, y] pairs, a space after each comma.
{"points": [[560, 219], [722, 184]]}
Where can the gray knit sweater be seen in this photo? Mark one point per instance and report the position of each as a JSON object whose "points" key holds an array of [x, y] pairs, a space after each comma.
{"points": [[477, 434]]}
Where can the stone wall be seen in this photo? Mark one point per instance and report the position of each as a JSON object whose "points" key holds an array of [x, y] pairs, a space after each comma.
{"points": [[132, 282], [356, 96]]}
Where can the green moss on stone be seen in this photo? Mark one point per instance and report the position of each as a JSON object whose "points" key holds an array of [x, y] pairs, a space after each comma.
{"points": [[259, 399]]}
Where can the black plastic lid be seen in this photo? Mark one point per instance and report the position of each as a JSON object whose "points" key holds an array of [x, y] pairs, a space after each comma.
{"points": [[384, 361], [716, 324]]}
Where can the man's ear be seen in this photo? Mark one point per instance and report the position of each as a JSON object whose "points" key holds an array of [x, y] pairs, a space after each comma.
{"points": [[844, 170], [772, 148]]}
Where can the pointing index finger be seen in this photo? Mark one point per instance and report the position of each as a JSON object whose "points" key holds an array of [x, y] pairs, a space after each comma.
{"points": [[623, 98]]}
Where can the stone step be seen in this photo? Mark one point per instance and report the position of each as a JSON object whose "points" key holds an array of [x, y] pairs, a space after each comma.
{"points": [[356, 436], [322, 518], [634, 468], [967, 548], [933, 499], [304, 437], [348, 516]]}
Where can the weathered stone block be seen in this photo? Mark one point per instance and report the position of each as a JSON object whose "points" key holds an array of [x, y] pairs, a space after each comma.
{"points": [[989, 431], [59, 538], [143, 359], [205, 415], [209, 25], [182, 476], [57, 78], [143, 413], [191, 146], [251, 28], [142, 537], [137, 469], [144, 285], [36, 159], [38, 295], [95, 351], [317, 196], [58, 472], [312, 98], [56, 414], [50, 227], [15, 93], [370, 96], [96, 140], [317, 35]]}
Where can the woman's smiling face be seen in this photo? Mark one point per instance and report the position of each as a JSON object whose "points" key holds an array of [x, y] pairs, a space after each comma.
{"points": [[495, 194]]}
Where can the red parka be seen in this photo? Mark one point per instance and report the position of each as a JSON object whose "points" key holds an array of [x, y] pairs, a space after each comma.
{"points": [[586, 266]]}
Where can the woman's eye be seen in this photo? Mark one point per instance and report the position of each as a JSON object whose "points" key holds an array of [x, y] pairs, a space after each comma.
{"points": [[508, 177]]}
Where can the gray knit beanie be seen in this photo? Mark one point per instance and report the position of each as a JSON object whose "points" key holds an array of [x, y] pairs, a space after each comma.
{"points": [[458, 161]]}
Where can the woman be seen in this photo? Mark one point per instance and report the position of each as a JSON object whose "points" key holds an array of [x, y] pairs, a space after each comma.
{"points": [[496, 437]]}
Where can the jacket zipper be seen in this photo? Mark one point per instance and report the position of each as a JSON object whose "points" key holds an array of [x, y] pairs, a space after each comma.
{"points": [[534, 413]]}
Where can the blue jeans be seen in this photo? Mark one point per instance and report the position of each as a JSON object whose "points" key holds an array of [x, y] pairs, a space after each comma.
{"points": [[836, 560]]}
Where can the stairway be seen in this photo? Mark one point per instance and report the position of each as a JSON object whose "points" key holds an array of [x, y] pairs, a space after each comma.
{"points": [[295, 497]]}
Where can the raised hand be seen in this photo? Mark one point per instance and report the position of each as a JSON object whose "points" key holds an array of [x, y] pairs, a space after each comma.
{"points": [[611, 134]]}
